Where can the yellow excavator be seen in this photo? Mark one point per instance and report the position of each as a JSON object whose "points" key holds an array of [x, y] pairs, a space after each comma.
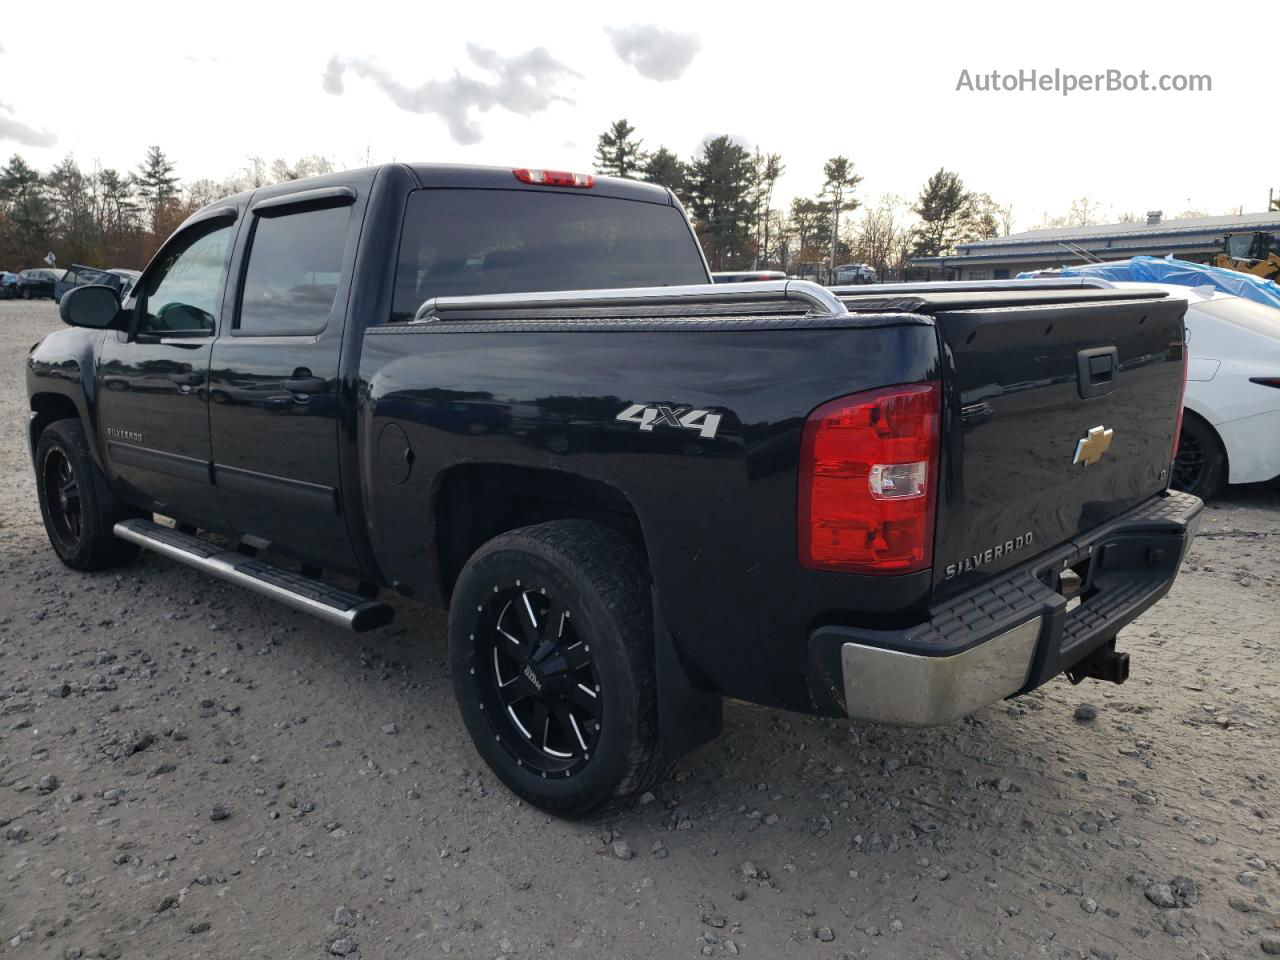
{"points": [[1255, 253]]}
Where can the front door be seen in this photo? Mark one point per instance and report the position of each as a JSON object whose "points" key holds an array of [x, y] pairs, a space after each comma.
{"points": [[274, 386], [153, 410]]}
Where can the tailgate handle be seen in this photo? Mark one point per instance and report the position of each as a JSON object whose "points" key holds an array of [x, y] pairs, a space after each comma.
{"points": [[1096, 370]]}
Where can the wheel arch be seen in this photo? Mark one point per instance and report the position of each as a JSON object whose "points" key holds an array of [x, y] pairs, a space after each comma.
{"points": [[46, 408], [1208, 425], [474, 502]]}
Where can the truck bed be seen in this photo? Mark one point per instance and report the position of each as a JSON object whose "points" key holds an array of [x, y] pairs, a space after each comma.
{"points": [[539, 382]]}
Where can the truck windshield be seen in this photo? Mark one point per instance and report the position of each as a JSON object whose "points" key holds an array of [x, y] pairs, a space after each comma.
{"points": [[463, 242]]}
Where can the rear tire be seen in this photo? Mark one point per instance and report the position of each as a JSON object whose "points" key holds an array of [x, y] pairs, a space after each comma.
{"points": [[76, 503], [1200, 466], [551, 649]]}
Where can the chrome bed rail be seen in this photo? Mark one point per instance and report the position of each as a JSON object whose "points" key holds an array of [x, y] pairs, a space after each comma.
{"points": [[821, 301]]}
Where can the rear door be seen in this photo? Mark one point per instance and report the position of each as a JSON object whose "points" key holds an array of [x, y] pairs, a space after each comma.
{"points": [[1061, 417], [274, 388]]}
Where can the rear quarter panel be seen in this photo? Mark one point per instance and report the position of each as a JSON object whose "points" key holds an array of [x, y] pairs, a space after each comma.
{"points": [[718, 515]]}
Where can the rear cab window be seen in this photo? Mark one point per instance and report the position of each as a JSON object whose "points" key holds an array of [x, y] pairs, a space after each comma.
{"points": [[293, 273], [459, 242]]}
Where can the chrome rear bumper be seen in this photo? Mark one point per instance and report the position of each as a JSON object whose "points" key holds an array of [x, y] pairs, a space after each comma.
{"points": [[889, 686], [1013, 632]]}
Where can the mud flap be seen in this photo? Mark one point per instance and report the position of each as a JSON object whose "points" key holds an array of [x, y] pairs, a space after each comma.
{"points": [[687, 717]]}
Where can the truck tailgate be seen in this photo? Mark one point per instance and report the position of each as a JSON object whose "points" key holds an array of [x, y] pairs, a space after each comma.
{"points": [[1062, 417], [1060, 414]]}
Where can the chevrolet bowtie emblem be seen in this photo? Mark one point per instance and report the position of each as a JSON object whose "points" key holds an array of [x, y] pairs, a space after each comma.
{"points": [[1089, 449]]}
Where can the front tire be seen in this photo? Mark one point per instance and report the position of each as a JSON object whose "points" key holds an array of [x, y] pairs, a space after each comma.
{"points": [[1200, 466], [551, 649], [76, 503]]}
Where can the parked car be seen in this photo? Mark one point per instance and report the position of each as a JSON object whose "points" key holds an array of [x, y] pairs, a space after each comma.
{"points": [[8, 285], [38, 282], [125, 278], [634, 501], [1231, 428], [76, 275], [746, 276], [853, 273]]}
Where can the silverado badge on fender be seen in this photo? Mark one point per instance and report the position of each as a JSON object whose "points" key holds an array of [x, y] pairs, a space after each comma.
{"points": [[1090, 448]]}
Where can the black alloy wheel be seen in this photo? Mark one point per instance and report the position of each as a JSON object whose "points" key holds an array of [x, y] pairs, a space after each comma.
{"points": [[1200, 465], [1190, 463], [537, 680], [77, 504], [552, 656], [62, 494]]}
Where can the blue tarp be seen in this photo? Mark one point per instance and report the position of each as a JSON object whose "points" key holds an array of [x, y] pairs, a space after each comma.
{"points": [[1181, 272]]}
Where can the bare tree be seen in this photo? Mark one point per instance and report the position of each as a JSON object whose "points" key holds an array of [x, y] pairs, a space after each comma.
{"points": [[837, 188], [766, 169], [1006, 219], [1084, 212]]}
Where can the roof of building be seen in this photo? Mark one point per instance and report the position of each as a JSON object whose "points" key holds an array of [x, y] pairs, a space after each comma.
{"points": [[1203, 225]]}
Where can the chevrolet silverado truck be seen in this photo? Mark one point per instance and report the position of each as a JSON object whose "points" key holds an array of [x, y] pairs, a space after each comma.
{"points": [[517, 395]]}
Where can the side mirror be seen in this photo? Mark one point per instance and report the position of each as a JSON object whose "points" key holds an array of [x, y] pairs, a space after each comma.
{"points": [[95, 306]]}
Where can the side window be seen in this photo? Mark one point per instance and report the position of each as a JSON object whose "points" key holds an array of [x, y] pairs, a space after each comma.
{"points": [[182, 293], [291, 282]]}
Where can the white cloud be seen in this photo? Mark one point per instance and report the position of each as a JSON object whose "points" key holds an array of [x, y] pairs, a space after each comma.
{"points": [[19, 132], [654, 52], [525, 84]]}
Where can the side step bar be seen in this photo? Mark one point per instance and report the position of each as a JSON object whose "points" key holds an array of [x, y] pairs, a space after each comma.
{"points": [[340, 607]]}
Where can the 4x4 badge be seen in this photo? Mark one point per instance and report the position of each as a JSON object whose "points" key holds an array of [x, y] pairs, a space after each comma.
{"points": [[1091, 447], [703, 421]]}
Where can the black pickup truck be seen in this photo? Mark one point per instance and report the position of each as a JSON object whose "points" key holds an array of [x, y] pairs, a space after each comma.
{"points": [[638, 496]]}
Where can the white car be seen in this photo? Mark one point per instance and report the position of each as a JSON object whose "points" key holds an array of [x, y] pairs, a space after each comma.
{"points": [[1231, 419]]}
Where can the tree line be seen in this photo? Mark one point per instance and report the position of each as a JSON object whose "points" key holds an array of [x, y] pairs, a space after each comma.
{"points": [[729, 193], [112, 218], [115, 218]]}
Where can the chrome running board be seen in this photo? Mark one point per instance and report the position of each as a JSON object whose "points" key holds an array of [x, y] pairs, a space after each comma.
{"points": [[332, 604]]}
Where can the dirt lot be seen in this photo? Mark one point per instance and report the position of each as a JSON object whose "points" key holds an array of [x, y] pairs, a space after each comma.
{"points": [[187, 770]]}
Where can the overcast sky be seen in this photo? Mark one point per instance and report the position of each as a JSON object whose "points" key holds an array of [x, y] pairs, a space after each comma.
{"points": [[535, 83]]}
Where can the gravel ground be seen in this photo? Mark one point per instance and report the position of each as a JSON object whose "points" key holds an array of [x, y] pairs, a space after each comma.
{"points": [[187, 770]]}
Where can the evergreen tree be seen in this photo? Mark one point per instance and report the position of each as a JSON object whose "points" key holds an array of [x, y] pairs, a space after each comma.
{"points": [[944, 208], [618, 154], [70, 192], [118, 209], [810, 221], [27, 210], [720, 181], [155, 181], [665, 168]]}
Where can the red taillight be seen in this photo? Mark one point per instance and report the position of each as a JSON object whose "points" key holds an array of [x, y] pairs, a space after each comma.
{"points": [[1266, 381], [1182, 399], [555, 178], [868, 473]]}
